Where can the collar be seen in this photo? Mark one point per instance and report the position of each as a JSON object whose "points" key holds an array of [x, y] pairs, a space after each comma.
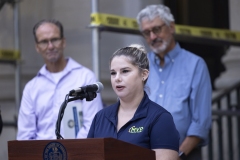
{"points": [[71, 65], [141, 111], [170, 56]]}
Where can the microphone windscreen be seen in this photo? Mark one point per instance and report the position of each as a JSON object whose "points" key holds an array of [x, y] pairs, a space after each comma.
{"points": [[100, 87]]}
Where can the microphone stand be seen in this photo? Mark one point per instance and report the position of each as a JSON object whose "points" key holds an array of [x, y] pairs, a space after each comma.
{"points": [[89, 97]]}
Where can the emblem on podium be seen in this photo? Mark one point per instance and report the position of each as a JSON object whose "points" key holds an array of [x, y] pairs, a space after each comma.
{"points": [[54, 151]]}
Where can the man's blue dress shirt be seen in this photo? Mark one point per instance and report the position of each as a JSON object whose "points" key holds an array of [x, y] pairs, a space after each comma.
{"points": [[183, 87]]}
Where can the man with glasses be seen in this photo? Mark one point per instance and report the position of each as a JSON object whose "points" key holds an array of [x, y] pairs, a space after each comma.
{"points": [[44, 94], [179, 80]]}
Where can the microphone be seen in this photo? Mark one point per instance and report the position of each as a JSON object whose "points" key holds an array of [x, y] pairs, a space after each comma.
{"points": [[96, 87]]}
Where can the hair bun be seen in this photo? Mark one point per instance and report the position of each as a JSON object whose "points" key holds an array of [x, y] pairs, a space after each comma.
{"points": [[139, 47]]}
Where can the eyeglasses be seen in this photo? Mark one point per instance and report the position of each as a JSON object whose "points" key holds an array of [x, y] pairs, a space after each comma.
{"points": [[156, 30], [54, 41]]}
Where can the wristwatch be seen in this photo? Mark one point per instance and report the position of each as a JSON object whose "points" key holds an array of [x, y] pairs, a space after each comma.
{"points": [[182, 155]]}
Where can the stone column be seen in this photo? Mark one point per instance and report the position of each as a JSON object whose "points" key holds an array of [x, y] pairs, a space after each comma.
{"points": [[232, 59]]}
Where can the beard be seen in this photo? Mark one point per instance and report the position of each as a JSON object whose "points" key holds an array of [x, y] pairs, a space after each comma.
{"points": [[163, 47]]}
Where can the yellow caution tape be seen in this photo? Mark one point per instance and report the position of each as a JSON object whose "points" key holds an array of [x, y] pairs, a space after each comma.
{"points": [[98, 19], [9, 54], [219, 34], [108, 20]]}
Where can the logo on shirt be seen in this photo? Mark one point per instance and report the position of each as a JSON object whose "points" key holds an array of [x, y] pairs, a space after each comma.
{"points": [[134, 129], [54, 150]]}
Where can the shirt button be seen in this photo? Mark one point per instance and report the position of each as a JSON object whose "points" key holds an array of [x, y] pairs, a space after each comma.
{"points": [[160, 70], [160, 95], [162, 82]]}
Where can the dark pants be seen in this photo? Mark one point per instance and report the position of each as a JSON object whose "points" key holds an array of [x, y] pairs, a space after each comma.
{"points": [[196, 154]]}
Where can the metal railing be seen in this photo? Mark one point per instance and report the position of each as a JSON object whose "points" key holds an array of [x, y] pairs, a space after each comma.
{"points": [[224, 139]]}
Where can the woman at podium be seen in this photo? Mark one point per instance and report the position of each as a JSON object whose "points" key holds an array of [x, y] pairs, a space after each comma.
{"points": [[135, 118]]}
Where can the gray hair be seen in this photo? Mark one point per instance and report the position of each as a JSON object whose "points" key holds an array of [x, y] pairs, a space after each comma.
{"points": [[152, 11], [137, 56]]}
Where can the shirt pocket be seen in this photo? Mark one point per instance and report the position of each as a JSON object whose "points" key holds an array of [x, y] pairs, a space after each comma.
{"points": [[181, 87]]}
